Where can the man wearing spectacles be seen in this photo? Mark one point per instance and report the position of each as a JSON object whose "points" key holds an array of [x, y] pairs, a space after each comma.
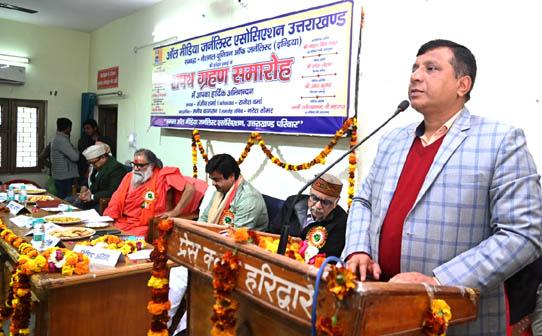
{"points": [[105, 176], [235, 202], [152, 190], [316, 218]]}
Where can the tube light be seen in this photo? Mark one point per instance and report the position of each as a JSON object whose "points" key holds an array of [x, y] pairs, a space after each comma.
{"points": [[14, 59]]}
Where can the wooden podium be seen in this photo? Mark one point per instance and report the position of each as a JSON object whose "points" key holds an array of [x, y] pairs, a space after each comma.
{"points": [[275, 293]]}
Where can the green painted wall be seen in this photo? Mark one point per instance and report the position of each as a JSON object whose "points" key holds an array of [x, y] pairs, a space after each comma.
{"points": [[59, 62]]}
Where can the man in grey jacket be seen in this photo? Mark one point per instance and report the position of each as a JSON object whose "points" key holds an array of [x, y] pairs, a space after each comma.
{"points": [[64, 157]]}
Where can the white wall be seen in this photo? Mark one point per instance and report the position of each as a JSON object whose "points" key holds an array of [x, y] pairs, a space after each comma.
{"points": [[500, 34], [59, 62]]}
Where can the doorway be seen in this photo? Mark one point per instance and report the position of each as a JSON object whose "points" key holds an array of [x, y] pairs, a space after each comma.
{"points": [[107, 124]]}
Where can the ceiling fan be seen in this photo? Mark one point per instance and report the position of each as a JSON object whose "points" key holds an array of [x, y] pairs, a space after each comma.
{"points": [[17, 8]]}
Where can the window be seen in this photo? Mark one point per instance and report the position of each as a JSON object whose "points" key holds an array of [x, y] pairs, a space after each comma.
{"points": [[22, 133]]}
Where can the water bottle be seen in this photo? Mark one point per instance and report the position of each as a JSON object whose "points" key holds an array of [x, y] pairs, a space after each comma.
{"points": [[23, 195], [39, 230], [11, 193]]}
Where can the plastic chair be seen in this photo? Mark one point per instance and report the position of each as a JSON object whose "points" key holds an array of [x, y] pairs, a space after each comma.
{"points": [[273, 205]]}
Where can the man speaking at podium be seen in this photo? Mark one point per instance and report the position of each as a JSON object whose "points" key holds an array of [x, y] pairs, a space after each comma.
{"points": [[454, 200]]}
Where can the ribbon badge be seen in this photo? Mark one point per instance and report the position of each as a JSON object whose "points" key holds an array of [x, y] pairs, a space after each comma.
{"points": [[317, 236], [148, 198], [227, 218]]}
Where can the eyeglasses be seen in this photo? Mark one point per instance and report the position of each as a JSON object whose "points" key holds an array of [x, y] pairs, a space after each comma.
{"points": [[316, 199], [94, 161], [139, 165]]}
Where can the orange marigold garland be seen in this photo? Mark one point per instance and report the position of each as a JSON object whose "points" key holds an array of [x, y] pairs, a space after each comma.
{"points": [[194, 157], [112, 242], [320, 158], [250, 143], [294, 250], [437, 318], [257, 137], [19, 298], [159, 304], [340, 282], [225, 274], [352, 161]]}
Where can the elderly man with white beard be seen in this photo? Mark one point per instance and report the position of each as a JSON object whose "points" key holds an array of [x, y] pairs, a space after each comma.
{"points": [[152, 190]]}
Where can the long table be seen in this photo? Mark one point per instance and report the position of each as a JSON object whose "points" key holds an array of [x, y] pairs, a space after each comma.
{"points": [[106, 301]]}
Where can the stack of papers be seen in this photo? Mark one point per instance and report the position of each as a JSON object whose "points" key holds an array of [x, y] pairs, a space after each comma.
{"points": [[22, 221], [140, 255]]}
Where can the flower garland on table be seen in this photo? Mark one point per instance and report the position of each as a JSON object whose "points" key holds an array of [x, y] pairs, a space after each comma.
{"points": [[352, 161], [294, 250], [257, 137], [340, 282], [19, 298], [159, 304], [437, 318], [113, 242], [225, 274]]}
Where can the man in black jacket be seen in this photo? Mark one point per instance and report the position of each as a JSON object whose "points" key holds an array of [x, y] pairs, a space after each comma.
{"points": [[316, 217]]}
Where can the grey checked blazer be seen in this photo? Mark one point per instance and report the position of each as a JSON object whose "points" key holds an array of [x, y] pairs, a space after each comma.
{"points": [[476, 221]]}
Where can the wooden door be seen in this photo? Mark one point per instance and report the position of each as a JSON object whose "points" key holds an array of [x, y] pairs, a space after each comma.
{"points": [[107, 124]]}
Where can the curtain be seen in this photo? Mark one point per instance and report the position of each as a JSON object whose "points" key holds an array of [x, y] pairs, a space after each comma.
{"points": [[88, 102]]}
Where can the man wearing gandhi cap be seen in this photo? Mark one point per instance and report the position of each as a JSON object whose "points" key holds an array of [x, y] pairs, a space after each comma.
{"points": [[316, 218], [105, 176]]}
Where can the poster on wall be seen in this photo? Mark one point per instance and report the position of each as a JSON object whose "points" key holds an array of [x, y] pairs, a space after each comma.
{"points": [[289, 75], [108, 78]]}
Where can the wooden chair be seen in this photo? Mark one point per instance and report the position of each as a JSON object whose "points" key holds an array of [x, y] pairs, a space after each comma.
{"points": [[102, 204]]}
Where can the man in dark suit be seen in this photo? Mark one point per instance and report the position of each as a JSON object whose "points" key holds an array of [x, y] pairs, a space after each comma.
{"points": [[316, 217], [105, 177]]}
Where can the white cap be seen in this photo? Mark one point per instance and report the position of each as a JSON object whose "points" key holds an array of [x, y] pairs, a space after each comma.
{"points": [[96, 151]]}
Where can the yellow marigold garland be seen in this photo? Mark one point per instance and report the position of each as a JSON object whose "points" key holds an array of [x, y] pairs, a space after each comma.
{"points": [[112, 242], [18, 301], [159, 303], [257, 137]]}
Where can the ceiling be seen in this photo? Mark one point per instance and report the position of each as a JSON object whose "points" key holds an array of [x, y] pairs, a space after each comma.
{"points": [[82, 15]]}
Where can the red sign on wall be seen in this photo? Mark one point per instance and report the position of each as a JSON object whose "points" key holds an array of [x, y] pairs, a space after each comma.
{"points": [[108, 78]]}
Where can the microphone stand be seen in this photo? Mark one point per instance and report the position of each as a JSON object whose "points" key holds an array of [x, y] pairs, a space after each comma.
{"points": [[285, 230]]}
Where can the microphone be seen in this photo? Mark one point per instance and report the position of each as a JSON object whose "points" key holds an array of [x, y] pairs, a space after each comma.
{"points": [[284, 233], [400, 108]]}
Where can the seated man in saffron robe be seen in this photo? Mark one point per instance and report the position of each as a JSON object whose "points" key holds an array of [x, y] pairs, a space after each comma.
{"points": [[152, 190]]}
